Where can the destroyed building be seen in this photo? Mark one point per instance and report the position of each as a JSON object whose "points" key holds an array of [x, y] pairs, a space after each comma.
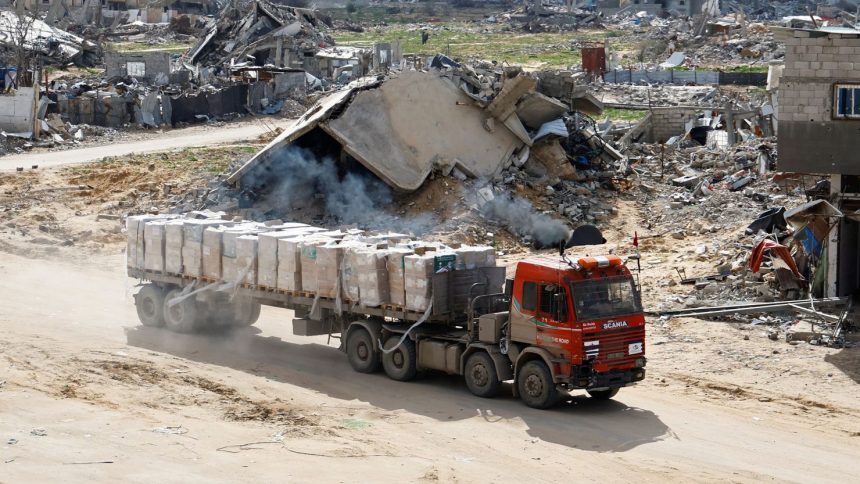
{"points": [[264, 34], [819, 112], [406, 126], [45, 43], [654, 7]]}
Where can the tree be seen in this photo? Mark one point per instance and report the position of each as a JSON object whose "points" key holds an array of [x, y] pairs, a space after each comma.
{"points": [[350, 7], [18, 27]]}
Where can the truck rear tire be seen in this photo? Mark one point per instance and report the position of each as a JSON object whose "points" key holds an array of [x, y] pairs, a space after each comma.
{"points": [[361, 351], [238, 313], [400, 364], [149, 302], [246, 312], [180, 317], [535, 385], [603, 394], [480, 375]]}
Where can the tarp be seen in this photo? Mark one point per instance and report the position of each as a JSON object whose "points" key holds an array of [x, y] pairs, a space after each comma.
{"points": [[674, 60], [775, 249], [556, 127]]}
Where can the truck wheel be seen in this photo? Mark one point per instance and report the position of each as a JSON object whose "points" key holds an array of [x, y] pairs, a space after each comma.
{"points": [[361, 351], [400, 364], [247, 312], [150, 306], [238, 313], [481, 377], [603, 394], [180, 317], [535, 385]]}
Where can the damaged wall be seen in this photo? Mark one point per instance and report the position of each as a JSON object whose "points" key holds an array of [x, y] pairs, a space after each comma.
{"points": [[401, 129], [671, 121], [17, 111], [142, 66], [810, 139]]}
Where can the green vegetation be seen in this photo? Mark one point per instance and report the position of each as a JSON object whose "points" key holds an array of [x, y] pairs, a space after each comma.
{"points": [[631, 115], [747, 69], [173, 47], [465, 40]]}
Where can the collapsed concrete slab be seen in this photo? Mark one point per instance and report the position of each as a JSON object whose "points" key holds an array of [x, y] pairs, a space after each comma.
{"points": [[401, 128]]}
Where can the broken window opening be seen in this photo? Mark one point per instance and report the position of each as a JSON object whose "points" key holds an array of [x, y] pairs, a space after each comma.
{"points": [[135, 69], [846, 101]]}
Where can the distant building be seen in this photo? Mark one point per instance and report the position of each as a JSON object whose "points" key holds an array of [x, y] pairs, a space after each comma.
{"points": [[653, 7], [819, 129]]}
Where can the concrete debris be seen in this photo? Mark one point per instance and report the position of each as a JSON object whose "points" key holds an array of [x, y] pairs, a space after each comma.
{"points": [[51, 45], [459, 117], [271, 33]]}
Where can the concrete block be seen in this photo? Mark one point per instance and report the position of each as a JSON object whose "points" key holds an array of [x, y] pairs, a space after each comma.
{"points": [[396, 274], [246, 258], [154, 238], [173, 247]]}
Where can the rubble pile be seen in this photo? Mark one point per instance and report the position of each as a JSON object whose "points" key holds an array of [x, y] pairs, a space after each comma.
{"points": [[696, 192], [660, 95], [537, 17], [260, 32], [46, 43]]}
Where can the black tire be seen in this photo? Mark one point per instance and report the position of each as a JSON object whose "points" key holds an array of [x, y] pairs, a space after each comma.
{"points": [[236, 313], [149, 302], [535, 385], [400, 364], [481, 376], [361, 351], [247, 312], [603, 394], [183, 316]]}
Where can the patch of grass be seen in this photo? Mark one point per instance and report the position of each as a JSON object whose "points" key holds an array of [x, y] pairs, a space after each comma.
{"points": [[487, 42], [747, 69], [172, 47], [616, 114]]}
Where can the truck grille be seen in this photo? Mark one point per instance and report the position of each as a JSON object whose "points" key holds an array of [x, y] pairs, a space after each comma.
{"points": [[612, 346]]}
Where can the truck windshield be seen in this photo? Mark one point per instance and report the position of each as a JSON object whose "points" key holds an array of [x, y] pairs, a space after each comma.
{"points": [[605, 298]]}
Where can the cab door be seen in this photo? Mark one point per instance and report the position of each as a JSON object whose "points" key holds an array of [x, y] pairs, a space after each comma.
{"points": [[541, 314], [553, 316]]}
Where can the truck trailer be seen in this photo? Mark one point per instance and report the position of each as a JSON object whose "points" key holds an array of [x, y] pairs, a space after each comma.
{"points": [[558, 325]]}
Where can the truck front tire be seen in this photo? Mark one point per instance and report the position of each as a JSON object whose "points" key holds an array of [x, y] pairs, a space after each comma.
{"points": [[149, 302], [535, 385], [400, 364], [361, 351], [480, 375], [180, 317]]}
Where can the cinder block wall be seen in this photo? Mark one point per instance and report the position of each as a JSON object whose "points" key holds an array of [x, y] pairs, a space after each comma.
{"points": [[16, 111], [671, 121], [156, 62], [812, 66], [810, 140], [558, 84]]}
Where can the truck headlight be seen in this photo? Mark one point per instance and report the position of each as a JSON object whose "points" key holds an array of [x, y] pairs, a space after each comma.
{"points": [[640, 362]]}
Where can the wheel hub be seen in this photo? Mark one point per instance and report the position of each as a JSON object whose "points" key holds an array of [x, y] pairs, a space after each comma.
{"points": [[533, 385], [397, 358], [362, 351], [148, 307], [480, 375]]}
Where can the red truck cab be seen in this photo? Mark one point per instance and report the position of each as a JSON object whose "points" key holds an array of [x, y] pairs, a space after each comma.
{"points": [[583, 319]]}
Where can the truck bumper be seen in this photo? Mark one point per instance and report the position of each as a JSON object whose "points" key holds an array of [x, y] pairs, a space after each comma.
{"points": [[616, 378]]}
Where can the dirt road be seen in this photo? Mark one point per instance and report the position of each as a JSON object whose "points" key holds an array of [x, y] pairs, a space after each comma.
{"points": [[87, 393], [180, 138]]}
